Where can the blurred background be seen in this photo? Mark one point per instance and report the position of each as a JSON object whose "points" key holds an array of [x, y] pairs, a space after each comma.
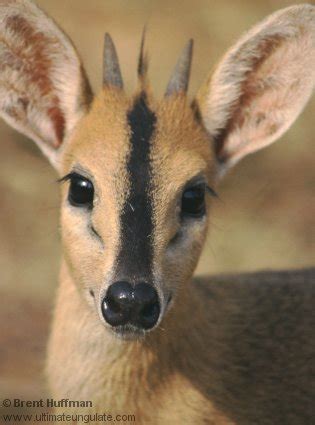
{"points": [[265, 217]]}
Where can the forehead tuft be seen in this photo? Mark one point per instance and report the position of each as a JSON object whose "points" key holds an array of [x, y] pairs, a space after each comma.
{"points": [[142, 122], [119, 131]]}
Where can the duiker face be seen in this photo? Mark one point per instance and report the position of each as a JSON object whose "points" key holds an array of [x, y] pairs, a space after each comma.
{"points": [[135, 205], [136, 174]]}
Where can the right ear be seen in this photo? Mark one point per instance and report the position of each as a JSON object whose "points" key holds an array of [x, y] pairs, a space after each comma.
{"points": [[261, 85], [43, 87]]}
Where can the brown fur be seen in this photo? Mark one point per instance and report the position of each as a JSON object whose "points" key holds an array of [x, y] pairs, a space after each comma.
{"points": [[234, 350]]}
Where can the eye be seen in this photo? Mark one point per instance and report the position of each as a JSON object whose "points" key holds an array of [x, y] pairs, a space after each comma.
{"points": [[193, 201], [81, 191]]}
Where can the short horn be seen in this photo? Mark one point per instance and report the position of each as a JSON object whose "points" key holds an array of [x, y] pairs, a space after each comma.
{"points": [[111, 70], [180, 77]]}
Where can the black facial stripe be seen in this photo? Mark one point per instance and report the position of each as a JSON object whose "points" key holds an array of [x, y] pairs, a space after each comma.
{"points": [[136, 250]]}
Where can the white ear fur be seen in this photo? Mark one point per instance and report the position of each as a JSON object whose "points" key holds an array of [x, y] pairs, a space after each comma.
{"points": [[261, 85], [43, 87]]}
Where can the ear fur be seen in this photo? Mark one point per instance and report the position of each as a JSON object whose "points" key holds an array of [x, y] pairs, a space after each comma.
{"points": [[43, 87], [261, 85]]}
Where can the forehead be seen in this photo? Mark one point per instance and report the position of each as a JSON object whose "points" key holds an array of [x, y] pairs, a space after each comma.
{"points": [[118, 130]]}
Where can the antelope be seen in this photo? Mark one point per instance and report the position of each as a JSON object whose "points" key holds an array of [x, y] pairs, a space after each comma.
{"points": [[132, 331]]}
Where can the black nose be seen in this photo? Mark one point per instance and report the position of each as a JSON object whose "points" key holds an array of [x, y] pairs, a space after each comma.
{"points": [[137, 305]]}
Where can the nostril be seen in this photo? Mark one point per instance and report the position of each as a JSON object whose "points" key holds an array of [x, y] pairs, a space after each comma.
{"points": [[148, 310], [149, 315], [113, 305], [116, 304], [145, 293], [120, 292], [148, 301]]}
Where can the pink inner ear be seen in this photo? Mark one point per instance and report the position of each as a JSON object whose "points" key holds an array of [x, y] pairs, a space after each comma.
{"points": [[31, 51], [256, 83]]}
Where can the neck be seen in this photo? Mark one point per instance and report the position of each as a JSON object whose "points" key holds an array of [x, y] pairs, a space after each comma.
{"points": [[173, 356]]}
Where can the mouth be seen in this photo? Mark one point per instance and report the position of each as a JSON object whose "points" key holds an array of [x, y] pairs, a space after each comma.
{"points": [[128, 332]]}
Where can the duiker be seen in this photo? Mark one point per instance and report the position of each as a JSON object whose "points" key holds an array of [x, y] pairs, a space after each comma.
{"points": [[131, 331]]}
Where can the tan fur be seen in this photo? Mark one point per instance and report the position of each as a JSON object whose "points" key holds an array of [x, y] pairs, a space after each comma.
{"points": [[216, 353]]}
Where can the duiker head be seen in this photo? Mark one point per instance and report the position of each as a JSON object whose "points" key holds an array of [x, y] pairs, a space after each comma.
{"points": [[137, 174]]}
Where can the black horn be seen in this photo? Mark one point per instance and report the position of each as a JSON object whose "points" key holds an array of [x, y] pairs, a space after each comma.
{"points": [[111, 70], [180, 77]]}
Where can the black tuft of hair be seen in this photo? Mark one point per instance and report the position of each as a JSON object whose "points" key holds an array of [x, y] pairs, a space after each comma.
{"points": [[143, 59]]}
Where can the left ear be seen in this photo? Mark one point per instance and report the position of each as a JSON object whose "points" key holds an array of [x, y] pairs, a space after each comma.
{"points": [[44, 91], [261, 85]]}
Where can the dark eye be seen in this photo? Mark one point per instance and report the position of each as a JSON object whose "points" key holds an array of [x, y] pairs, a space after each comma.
{"points": [[81, 191], [193, 201]]}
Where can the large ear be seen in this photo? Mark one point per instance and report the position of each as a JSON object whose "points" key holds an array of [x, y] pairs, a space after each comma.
{"points": [[43, 87], [261, 85]]}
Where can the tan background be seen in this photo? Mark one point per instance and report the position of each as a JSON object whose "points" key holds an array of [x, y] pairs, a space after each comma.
{"points": [[266, 215]]}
